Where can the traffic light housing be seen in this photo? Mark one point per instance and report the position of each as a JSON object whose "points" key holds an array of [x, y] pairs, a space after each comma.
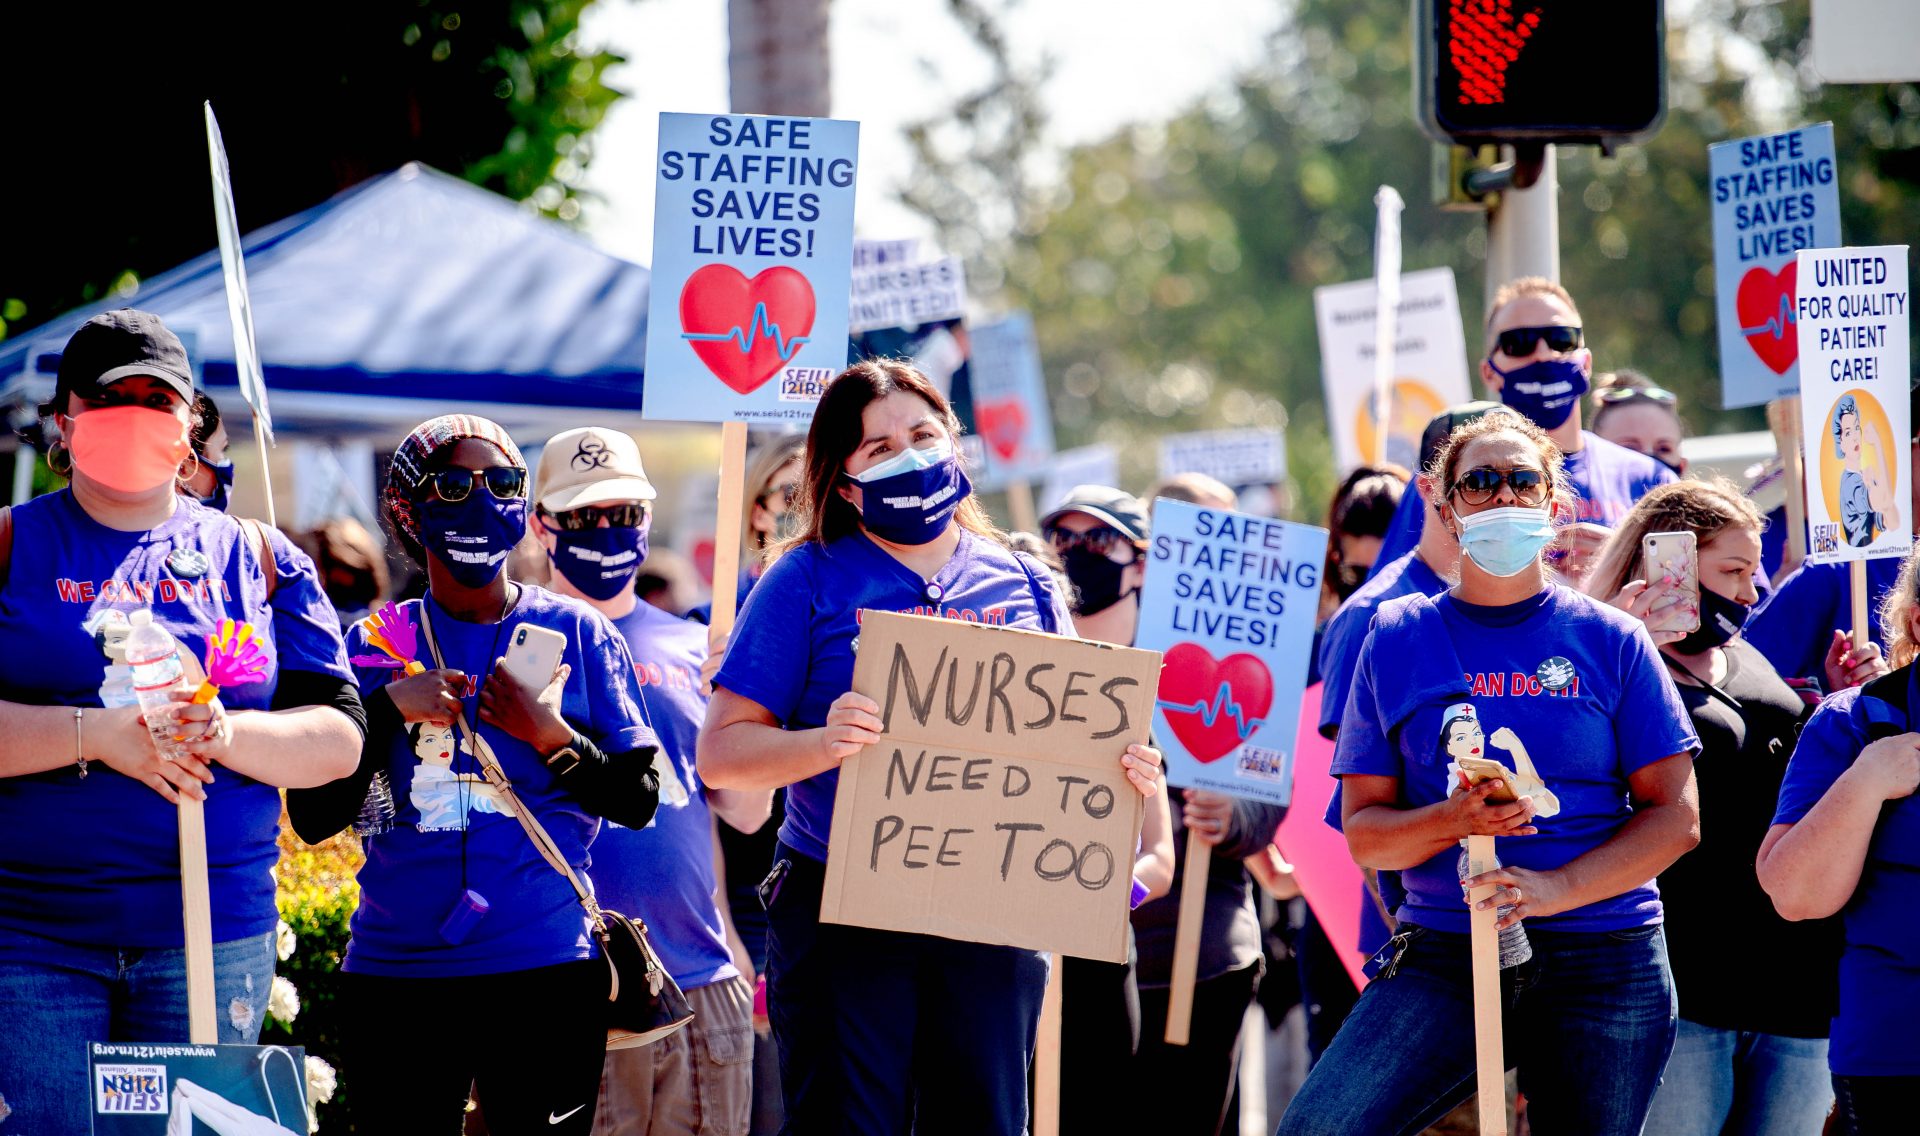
{"points": [[1567, 71]]}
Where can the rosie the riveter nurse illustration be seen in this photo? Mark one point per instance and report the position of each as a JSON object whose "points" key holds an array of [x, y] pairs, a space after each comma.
{"points": [[1465, 743]]}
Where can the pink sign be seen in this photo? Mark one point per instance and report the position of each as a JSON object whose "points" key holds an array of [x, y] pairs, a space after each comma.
{"points": [[1328, 876]]}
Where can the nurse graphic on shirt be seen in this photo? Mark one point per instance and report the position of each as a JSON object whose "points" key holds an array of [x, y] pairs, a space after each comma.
{"points": [[876, 1027], [1582, 825], [91, 938]]}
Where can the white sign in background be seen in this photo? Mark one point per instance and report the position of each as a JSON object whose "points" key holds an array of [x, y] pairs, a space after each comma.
{"points": [[1235, 458], [1429, 367], [1010, 410], [1852, 317]]}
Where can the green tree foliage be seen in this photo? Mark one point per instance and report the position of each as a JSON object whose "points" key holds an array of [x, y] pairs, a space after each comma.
{"points": [[1171, 267], [107, 158]]}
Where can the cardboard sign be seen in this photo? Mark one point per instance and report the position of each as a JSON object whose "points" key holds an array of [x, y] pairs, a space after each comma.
{"points": [[994, 809], [1329, 879], [1010, 410], [1773, 195], [202, 1090], [752, 244], [1851, 312], [1235, 458], [1231, 600], [1429, 363]]}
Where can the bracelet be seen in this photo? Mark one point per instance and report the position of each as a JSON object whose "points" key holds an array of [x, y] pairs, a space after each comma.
{"points": [[79, 754]]}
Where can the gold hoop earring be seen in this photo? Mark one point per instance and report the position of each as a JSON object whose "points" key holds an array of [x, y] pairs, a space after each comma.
{"points": [[194, 454], [60, 459]]}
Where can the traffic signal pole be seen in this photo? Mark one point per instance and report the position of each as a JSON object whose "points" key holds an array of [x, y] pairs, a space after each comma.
{"points": [[1523, 227]]}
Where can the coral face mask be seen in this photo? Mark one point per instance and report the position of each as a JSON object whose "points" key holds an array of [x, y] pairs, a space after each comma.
{"points": [[132, 449]]}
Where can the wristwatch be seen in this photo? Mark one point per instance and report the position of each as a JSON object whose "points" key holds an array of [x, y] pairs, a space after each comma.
{"points": [[567, 758]]}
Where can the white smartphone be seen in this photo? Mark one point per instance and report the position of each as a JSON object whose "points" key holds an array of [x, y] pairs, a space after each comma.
{"points": [[533, 654]]}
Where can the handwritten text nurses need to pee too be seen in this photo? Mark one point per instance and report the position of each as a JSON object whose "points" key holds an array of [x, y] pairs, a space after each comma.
{"points": [[1875, 299], [1234, 581], [766, 152]]}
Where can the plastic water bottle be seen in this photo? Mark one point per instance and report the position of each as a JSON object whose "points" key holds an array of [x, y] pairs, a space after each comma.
{"points": [[377, 809], [154, 656], [1515, 948]]}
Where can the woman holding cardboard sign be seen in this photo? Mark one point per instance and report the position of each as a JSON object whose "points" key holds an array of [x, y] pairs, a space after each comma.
{"points": [[1577, 685], [879, 1031]]}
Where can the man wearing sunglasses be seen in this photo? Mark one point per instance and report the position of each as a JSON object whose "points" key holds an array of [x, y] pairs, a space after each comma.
{"points": [[1538, 364], [593, 516]]}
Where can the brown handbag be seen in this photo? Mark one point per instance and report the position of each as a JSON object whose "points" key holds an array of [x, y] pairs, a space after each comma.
{"points": [[644, 1003]]}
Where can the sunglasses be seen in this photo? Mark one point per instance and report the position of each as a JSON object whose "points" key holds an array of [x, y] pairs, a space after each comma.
{"points": [[1478, 486], [1102, 541], [627, 515], [1518, 342], [1616, 396], [505, 482], [786, 493]]}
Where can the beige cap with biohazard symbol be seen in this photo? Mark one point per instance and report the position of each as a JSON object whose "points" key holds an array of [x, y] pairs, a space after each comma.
{"points": [[590, 466]]}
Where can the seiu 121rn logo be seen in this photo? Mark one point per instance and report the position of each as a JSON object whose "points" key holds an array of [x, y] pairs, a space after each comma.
{"points": [[130, 1088]]}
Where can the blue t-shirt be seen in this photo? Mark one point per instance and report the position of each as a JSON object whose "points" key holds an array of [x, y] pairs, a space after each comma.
{"points": [[1880, 968], [1564, 691], [1794, 626], [97, 861], [664, 872], [1608, 479], [451, 832], [1347, 630], [792, 651]]}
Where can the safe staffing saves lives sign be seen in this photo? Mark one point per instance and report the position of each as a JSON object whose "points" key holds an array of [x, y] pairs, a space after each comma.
{"points": [[753, 252]]}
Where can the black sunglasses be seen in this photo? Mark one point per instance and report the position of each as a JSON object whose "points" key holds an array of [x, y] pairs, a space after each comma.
{"points": [[1518, 342], [1616, 396], [1478, 486], [628, 515], [1102, 541], [505, 482]]}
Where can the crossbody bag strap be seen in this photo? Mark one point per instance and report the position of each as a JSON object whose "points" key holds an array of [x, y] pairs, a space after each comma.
{"points": [[497, 777]]}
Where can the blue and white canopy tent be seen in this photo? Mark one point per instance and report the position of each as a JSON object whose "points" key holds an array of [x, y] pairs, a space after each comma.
{"points": [[393, 301]]}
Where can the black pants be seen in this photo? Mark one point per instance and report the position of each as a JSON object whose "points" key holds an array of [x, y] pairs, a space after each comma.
{"points": [[1197, 1094], [1099, 1032], [1870, 1106], [531, 1042], [883, 1033]]}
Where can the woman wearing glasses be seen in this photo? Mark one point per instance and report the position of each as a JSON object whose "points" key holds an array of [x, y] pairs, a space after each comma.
{"points": [[1629, 410], [1589, 1015], [460, 919], [876, 1028]]}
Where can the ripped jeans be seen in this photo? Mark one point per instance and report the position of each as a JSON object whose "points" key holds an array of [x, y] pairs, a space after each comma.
{"points": [[55, 997]]}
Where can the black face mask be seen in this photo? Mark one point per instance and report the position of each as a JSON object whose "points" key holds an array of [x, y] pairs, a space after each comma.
{"points": [[1096, 578], [1347, 578], [1720, 620]]}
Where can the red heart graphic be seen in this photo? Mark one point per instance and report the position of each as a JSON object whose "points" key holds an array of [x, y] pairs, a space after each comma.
{"points": [[1003, 424], [1764, 305], [745, 330], [1213, 705]]}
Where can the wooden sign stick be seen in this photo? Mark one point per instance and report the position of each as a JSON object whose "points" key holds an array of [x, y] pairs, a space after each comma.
{"points": [[1490, 1064], [1783, 416], [1186, 939], [726, 528], [1046, 1056], [1862, 631], [196, 905], [1020, 506]]}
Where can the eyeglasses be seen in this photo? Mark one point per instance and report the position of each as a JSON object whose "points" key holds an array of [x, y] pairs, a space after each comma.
{"points": [[1102, 541], [1615, 396], [1478, 486], [505, 482], [627, 515], [1518, 342], [787, 493]]}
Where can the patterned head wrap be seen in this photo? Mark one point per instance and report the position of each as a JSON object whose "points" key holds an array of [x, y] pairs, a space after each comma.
{"points": [[413, 459]]}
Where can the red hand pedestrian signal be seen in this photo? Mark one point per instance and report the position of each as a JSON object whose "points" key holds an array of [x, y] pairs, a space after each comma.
{"points": [[1484, 39]]}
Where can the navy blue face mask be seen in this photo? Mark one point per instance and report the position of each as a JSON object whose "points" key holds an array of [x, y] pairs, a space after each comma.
{"points": [[1545, 391], [908, 499], [222, 482], [600, 562], [472, 537]]}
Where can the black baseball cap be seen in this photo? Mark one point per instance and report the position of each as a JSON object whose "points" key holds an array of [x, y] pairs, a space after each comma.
{"points": [[1116, 508], [119, 345], [1447, 421]]}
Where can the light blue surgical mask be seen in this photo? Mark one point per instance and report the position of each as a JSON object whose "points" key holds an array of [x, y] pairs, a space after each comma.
{"points": [[1504, 541], [911, 458]]}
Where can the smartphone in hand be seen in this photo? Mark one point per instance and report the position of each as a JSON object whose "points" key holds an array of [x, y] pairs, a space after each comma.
{"points": [[1672, 560], [533, 655]]}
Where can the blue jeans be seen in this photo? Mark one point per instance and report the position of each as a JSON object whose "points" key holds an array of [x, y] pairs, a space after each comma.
{"points": [[1589, 1020], [1729, 1083], [56, 997]]}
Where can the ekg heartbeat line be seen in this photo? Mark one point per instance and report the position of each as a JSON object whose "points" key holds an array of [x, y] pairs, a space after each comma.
{"points": [[761, 325], [1223, 703], [1777, 326]]}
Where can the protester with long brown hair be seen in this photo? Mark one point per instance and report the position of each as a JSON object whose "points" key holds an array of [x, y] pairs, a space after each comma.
{"points": [[1740, 1063], [876, 1028]]}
